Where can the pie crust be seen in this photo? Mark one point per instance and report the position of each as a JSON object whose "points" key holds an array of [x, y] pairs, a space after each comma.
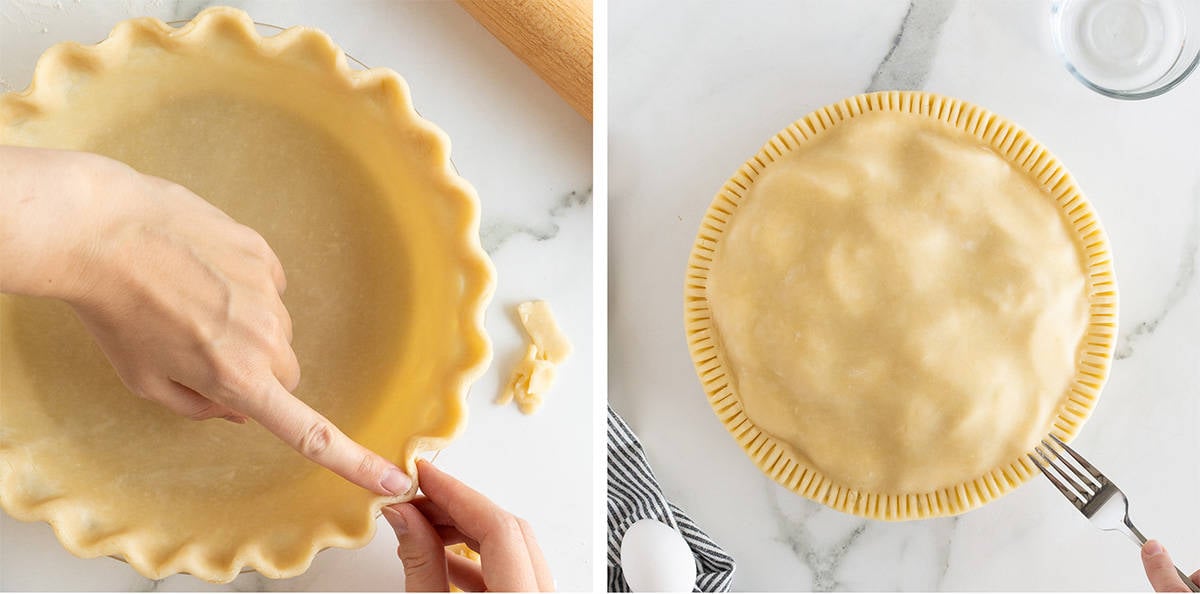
{"points": [[387, 290], [895, 300]]}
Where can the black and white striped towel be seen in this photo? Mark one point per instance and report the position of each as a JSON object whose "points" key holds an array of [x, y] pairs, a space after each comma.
{"points": [[634, 494]]}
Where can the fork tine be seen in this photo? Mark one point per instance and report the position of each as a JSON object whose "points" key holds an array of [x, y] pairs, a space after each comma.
{"points": [[1085, 489], [1095, 472], [1066, 491], [1088, 480]]}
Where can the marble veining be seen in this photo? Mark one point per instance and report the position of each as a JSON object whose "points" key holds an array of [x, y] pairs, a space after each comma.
{"points": [[944, 549], [495, 233], [142, 584], [1184, 276], [824, 542], [824, 561], [907, 63]]}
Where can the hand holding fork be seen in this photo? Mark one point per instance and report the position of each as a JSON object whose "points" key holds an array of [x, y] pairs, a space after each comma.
{"points": [[1162, 573], [1107, 507]]}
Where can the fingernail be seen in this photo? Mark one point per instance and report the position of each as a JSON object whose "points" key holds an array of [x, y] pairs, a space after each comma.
{"points": [[395, 482], [396, 519], [1153, 549]]}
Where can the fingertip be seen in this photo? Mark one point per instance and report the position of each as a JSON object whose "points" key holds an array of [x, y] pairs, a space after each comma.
{"points": [[432, 479], [395, 481], [1152, 548], [427, 470], [396, 516]]}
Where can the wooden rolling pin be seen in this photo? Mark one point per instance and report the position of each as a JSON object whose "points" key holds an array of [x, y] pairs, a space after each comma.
{"points": [[554, 37]]}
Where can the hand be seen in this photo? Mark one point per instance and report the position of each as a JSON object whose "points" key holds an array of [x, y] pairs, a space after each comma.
{"points": [[1160, 570], [184, 301], [452, 513]]}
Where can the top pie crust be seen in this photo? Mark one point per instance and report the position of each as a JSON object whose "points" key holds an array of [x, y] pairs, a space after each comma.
{"points": [[895, 300], [387, 290]]}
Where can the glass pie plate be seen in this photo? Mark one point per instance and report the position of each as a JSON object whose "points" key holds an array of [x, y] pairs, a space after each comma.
{"points": [[387, 287]]}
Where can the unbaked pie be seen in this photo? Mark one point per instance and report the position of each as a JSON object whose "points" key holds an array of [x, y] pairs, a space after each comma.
{"points": [[387, 290], [894, 300]]}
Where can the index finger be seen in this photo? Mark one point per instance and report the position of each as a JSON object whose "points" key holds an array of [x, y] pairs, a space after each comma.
{"points": [[319, 440], [504, 556]]}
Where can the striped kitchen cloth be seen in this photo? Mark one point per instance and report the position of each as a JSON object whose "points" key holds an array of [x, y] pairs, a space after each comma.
{"points": [[634, 494]]}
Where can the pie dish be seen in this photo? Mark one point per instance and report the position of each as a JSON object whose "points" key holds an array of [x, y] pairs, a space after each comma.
{"points": [[895, 300], [387, 290]]}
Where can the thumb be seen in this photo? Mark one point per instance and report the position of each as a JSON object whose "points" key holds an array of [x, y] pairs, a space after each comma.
{"points": [[1160, 570], [420, 549]]}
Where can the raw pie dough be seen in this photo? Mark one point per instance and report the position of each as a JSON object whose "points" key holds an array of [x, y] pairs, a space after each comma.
{"points": [[462, 550], [387, 286], [547, 349], [895, 300]]}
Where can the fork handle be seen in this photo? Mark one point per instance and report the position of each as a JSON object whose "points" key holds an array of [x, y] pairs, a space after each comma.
{"points": [[1141, 540], [1187, 580]]}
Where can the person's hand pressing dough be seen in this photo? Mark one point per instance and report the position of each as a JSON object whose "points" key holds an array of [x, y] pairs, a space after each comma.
{"points": [[184, 301]]}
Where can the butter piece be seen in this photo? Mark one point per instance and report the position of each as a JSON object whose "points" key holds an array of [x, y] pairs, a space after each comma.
{"points": [[548, 347]]}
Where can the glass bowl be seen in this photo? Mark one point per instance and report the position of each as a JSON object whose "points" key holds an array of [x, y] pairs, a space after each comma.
{"points": [[1128, 49]]}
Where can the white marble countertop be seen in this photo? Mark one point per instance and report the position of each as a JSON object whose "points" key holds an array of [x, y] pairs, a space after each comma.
{"points": [[697, 88], [529, 156]]}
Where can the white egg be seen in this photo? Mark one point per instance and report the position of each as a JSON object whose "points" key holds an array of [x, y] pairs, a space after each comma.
{"points": [[655, 558]]}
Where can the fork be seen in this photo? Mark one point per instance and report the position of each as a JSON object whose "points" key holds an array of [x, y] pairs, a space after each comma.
{"points": [[1091, 492]]}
